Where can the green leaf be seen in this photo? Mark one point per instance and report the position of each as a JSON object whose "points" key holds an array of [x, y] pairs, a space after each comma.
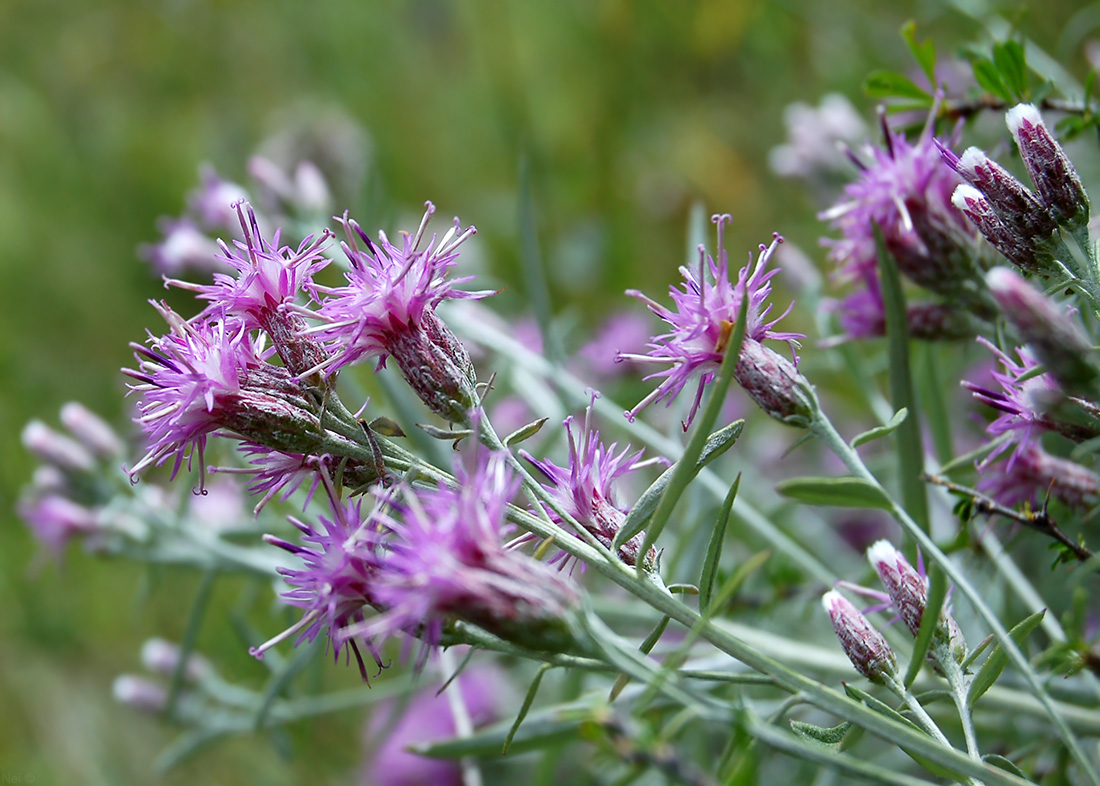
{"points": [[924, 53], [714, 547], [995, 663], [881, 431], [988, 76], [528, 700], [930, 620], [910, 446], [831, 737], [1002, 763], [1008, 57], [847, 492], [387, 427], [525, 432], [646, 648], [891, 84], [716, 444]]}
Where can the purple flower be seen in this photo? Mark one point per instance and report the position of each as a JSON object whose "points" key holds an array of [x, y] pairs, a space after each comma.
{"points": [[1033, 474], [445, 561], [906, 191], [428, 718], [705, 312], [424, 559], [865, 647], [1028, 403], [621, 332], [267, 275], [55, 520], [204, 376], [184, 247], [583, 488], [336, 582], [388, 308], [215, 199]]}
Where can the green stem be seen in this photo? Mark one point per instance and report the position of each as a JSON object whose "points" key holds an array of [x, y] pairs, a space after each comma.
{"points": [[824, 429]]}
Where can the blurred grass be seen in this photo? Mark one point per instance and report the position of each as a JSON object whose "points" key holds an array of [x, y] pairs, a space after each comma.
{"points": [[629, 113]]}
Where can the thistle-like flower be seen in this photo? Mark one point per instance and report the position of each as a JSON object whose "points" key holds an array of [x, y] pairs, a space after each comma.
{"points": [[584, 486], [204, 376], [865, 647], [268, 278], [388, 309], [1032, 475], [1031, 404], [706, 311], [906, 191]]}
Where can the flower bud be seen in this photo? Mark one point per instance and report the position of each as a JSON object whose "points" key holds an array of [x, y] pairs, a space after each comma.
{"points": [[90, 430], [437, 367], [55, 449], [774, 383], [1055, 178], [1058, 341], [163, 657], [1009, 199], [140, 693], [1015, 248], [865, 647]]}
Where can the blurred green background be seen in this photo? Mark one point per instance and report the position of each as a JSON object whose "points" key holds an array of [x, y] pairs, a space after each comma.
{"points": [[628, 113]]}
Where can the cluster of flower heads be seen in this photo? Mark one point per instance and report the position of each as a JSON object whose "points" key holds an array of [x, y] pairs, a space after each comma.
{"points": [[701, 325], [422, 559], [906, 592]]}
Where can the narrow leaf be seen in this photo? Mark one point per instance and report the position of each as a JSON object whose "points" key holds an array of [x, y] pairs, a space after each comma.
{"points": [[444, 433], [1008, 56], [909, 443], [717, 444], [831, 736], [995, 663], [930, 620], [525, 432], [987, 75], [881, 431], [924, 52], [714, 547], [387, 427], [1003, 763], [891, 84], [647, 647], [528, 700], [847, 492]]}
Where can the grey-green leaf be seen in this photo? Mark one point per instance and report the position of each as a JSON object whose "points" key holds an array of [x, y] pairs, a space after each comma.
{"points": [[995, 663], [846, 492], [525, 432], [881, 431]]}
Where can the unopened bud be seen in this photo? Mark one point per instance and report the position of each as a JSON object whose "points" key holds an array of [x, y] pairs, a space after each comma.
{"points": [[1015, 247], [1010, 199], [56, 449], [774, 384], [140, 693], [90, 430], [437, 367], [865, 647], [1058, 341], [1055, 178], [163, 657]]}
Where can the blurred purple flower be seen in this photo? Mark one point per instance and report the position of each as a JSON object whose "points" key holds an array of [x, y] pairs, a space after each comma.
{"points": [[622, 332], [1032, 474]]}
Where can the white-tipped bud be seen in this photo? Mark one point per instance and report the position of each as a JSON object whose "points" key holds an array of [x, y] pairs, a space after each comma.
{"points": [[865, 647], [91, 430], [908, 590], [140, 693], [1055, 177], [163, 657], [56, 449]]}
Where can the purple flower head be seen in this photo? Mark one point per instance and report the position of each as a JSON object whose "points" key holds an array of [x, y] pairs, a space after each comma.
{"points": [[267, 275], [1024, 404], [625, 331], [584, 486], [445, 561], [388, 308], [204, 376], [865, 647], [184, 379], [1033, 474], [705, 312], [340, 558], [906, 191], [55, 520]]}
